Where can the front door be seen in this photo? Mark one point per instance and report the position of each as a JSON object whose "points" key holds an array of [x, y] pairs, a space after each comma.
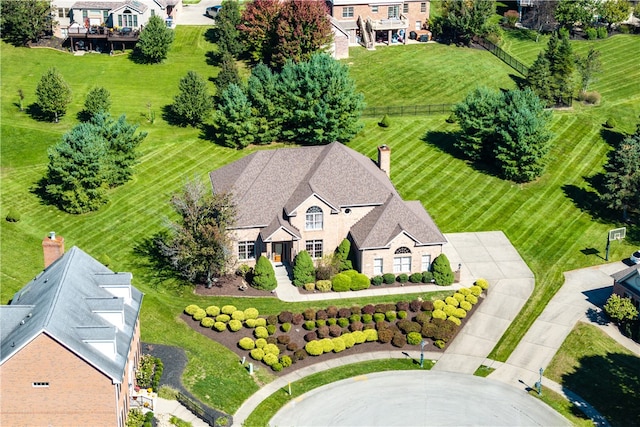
{"points": [[277, 252]]}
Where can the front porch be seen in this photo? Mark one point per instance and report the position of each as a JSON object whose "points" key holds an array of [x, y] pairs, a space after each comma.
{"points": [[143, 399]]}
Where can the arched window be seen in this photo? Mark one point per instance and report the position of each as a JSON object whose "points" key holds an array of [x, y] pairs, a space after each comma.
{"points": [[313, 218], [402, 260]]}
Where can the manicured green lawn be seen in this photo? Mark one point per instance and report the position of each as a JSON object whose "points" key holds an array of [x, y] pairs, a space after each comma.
{"points": [[601, 371], [542, 220]]}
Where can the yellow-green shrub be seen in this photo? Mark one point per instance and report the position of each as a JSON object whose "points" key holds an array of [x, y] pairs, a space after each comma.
{"points": [[460, 313], [228, 309], [224, 318], [238, 315], [414, 338], [270, 359], [439, 304], [323, 285], [327, 345], [261, 321], [235, 325], [464, 291], [475, 290], [449, 310], [207, 322], [285, 361], [458, 296], [454, 320], [246, 343], [314, 348], [371, 335], [465, 305], [257, 353], [349, 340], [260, 332], [439, 314], [338, 344], [271, 349], [219, 326], [472, 299], [452, 301], [250, 323], [359, 337], [251, 313], [213, 310], [483, 283], [191, 309], [261, 343]]}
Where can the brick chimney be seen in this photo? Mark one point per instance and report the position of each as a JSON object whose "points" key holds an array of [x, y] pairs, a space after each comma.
{"points": [[384, 159], [53, 248]]}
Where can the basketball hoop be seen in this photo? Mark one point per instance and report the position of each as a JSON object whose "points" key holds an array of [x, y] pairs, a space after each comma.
{"points": [[615, 234]]}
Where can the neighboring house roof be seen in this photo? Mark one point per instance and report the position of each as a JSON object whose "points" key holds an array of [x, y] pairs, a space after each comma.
{"points": [[340, 26], [75, 301], [109, 5], [268, 186], [629, 278]]}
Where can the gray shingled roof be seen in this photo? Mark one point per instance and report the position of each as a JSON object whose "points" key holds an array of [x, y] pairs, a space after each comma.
{"points": [[623, 275], [265, 182], [62, 302], [110, 5]]}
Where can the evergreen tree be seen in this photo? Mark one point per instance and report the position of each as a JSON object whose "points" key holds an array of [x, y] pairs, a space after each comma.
{"points": [[75, 179], [228, 73], [622, 179], [342, 253], [442, 273], [154, 42], [303, 269], [264, 95], [24, 21], [227, 23], [539, 78], [54, 94], [193, 104], [98, 101], [319, 102], [476, 115], [233, 120], [264, 277], [563, 72], [551, 76]]}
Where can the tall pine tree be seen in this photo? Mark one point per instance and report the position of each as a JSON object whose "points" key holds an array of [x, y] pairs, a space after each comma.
{"points": [[622, 179], [193, 104]]}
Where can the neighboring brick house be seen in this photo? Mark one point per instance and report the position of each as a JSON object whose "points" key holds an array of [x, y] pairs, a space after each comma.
{"points": [[370, 21], [292, 199], [70, 344], [626, 283]]}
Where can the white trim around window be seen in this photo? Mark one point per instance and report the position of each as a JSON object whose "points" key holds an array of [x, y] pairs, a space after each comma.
{"points": [[246, 250], [378, 266], [314, 247]]}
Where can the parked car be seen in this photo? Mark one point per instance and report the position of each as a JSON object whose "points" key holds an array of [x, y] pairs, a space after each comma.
{"points": [[212, 11], [635, 257]]}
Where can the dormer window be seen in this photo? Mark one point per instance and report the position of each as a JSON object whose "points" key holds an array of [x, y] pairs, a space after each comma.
{"points": [[313, 218]]}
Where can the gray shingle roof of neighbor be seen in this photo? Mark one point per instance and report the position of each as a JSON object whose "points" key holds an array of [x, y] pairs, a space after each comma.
{"points": [[62, 302], [111, 5], [626, 273], [264, 182]]}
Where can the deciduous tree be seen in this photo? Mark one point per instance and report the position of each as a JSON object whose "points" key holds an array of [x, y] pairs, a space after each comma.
{"points": [[257, 29], [193, 104], [572, 12], [588, 66], [620, 309], [462, 20], [53, 94], [614, 11], [24, 21], [198, 246], [154, 42]]}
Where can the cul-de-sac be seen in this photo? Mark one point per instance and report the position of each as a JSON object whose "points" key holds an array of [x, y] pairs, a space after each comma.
{"points": [[319, 213]]}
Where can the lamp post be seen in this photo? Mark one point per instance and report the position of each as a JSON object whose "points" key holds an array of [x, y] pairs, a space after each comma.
{"points": [[422, 353], [539, 383]]}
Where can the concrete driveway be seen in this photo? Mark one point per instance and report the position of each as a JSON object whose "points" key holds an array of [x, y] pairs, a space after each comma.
{"points": [[193, 14], [417, 398]]}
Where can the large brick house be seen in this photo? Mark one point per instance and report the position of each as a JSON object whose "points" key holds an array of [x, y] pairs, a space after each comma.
{"points": [[626, 283], [70, 343], [373, 21], [311, 198]]}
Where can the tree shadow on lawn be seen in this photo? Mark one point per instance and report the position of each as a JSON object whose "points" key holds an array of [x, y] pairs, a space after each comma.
{"points": [[520, 81], [36, 113], [612, 137], [610, 383], [156, 267], [590, 202], [445, 142], [169, 116]]}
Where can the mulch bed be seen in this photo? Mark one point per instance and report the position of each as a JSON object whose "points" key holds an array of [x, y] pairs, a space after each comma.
{"points": [[229, 286]]}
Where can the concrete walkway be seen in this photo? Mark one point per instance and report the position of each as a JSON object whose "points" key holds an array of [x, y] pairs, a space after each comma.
{"points": [[166, 408]]}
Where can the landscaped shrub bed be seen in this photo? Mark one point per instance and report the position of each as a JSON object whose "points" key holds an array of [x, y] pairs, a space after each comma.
{"points": [[280, 341]]}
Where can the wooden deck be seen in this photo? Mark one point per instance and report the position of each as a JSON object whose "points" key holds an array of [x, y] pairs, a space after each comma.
{"points": [[91, 38]]}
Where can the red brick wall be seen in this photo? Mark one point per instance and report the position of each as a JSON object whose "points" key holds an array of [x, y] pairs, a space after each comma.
{"points": [[78, 394]]}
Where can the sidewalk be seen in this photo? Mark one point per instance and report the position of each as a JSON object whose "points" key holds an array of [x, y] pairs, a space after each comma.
{"points": [[166, 408]]}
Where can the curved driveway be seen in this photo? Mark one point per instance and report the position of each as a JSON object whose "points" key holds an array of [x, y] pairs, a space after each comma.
{"points": [[417, 398]]}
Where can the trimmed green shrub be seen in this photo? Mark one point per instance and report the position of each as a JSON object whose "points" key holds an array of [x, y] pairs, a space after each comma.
{"points": [[338, 344], [390, 316], [360, 282], [199, 314], [327, 345], [261, 343], [191, 309], [610, 123], [271, 329], [341, 282], [309, 325], [285, 361], [438, 304], [264, 277], [207, 322], [388, 278], [261, 332], [342, 255], [475, 290], [343, 322], [251, 313], [377, 280], [238, 315], [246, 343], [228, 309], [414, 338], [314, 348], [235, 325], [261, 321], [332, 321], [591, 33], [439, 314], [220, 326], [603, 33], [286, 327], [399, 340], [13, 215], [303, 269], [270, 359], [439, 343], [349, 340], [323, 285], [472, 299], [385, 122], [271, 349], [379, 317], [449, 309], [460, 313], [454, 320], [277, 367], [355, 318], [310, 287], [367, 318], [370, 335], [402, 314], [427, 277], [442, 272], [359, 337], [402, 278], [452, 301], [250, 323], [212, 310], [465, 305], [452, 118], [224, 318], [415, 278], [483, 283]]}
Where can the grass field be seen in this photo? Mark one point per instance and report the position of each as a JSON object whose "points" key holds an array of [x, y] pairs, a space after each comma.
{"points": [[549, 221], [602, 371]]}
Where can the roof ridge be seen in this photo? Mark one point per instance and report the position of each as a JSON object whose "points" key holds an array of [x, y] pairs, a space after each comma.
{"points": [[71, 254]]}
